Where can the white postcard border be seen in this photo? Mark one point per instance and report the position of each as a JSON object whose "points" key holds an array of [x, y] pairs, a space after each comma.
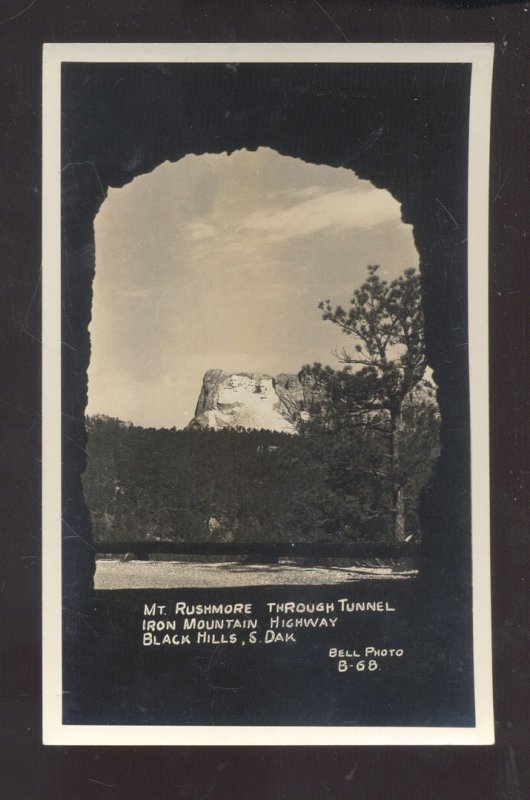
{"points": [[480, 56]]}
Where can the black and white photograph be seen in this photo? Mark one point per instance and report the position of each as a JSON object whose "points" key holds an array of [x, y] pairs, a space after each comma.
{"points": [[221, 410], [265, 399]]}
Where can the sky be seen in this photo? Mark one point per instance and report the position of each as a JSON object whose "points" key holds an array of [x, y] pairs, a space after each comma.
{"points": [[219, 261]]}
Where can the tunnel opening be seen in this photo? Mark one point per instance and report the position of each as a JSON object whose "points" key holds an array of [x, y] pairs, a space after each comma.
{"points": [[215, 263]]}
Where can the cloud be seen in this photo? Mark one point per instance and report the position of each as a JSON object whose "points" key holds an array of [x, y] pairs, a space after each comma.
{"points": [[338, 210], [299, 194], [238, 236], [200, 230]]}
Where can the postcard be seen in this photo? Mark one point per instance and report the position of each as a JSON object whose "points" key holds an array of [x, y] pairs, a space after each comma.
{"points": [[265, 394]]}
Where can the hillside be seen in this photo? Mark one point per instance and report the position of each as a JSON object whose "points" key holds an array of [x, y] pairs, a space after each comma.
{"points": [[249, 485]]}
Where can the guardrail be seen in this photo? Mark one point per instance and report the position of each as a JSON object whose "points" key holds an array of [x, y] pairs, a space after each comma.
{"points": [[142, 550]]}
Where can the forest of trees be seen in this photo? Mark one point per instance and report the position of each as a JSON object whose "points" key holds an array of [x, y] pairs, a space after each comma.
{"points": [[355, 472]]}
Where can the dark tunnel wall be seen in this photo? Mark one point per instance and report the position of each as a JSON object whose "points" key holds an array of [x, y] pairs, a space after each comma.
{"points": [[403, 127]]}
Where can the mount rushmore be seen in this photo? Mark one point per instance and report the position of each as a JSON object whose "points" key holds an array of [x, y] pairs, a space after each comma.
{"points": [[252, 401]]}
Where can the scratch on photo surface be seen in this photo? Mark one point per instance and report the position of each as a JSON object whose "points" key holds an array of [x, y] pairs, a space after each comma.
{"points": [[331, 19], [68, 346], [447, 212], [75, 534], [101, 783], [219, 768], [515, 789], [76, 444], [18, 14], [84, 617], [24, 328], [501, 185], [109, 618], [82, 164]]}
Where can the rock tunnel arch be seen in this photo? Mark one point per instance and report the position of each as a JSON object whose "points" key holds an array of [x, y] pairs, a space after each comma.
{"points": [[403, 127]]}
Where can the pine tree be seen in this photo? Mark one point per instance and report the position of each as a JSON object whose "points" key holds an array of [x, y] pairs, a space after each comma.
{"points": [[387, 363]]}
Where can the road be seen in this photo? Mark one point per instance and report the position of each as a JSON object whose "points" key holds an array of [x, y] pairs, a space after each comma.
{"points": [[115, 574]]}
